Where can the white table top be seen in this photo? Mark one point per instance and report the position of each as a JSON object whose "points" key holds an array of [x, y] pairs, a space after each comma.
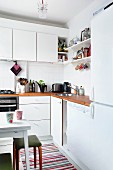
{"points": [[16, 125]]}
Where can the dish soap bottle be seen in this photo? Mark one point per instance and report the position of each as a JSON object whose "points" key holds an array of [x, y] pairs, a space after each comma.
{"points": [[81, 91]]}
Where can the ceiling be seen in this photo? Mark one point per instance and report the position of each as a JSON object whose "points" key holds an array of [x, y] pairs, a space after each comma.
{"points": [[59, 11]]}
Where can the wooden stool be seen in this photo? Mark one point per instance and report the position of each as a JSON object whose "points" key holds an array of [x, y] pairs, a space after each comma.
{"points": [[6, 161], [18, 143]]}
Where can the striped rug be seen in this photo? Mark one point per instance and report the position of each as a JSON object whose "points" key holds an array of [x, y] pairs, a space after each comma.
{"points": [[52, 158]]}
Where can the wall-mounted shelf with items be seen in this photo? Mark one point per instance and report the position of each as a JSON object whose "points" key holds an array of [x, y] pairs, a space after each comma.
{"points": [[81, 54], [85, 59], [62, 51], [82, 64], [76, 47]]}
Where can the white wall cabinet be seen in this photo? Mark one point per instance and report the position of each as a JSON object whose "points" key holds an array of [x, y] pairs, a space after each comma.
{"points": [[37, 111], [24, 45], [5, 43], [56, 120], [47, 47]]}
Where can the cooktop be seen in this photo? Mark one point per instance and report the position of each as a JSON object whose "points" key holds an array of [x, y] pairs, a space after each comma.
{"points": [[6, 92]]}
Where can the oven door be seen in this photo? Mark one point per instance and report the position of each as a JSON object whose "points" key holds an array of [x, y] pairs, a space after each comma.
{"points": [[8, 104], [9, 107]]}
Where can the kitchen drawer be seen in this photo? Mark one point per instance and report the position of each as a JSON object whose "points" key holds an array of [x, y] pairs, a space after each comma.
{"points": [[40, 128], [36, 111], [6, 141], [34, 99], [6, 148]]}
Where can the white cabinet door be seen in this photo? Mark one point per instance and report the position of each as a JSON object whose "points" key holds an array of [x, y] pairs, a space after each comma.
{"points": [[47, 47], [100, 145], [56, 120], [36, 111], [79, 128], [5, 43], [40, 128], [24, 45], [102, 57]]}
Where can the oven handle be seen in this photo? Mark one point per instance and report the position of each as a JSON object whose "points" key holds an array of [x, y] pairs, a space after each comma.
{"points": [[14, 105]]}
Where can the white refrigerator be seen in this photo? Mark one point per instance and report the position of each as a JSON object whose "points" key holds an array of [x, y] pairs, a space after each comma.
{"points": [[101, 144]]}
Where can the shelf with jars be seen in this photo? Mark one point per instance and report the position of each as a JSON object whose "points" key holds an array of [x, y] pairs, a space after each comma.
{"points": [[79, 45], [81, 52], [62, 51]]}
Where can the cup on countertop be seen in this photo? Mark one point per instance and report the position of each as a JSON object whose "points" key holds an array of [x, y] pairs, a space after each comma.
{"points": [[19, 114], [9, 117]]}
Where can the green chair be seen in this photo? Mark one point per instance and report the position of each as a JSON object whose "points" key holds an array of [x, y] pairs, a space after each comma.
{"points": [[18, 143], [6, 161]]}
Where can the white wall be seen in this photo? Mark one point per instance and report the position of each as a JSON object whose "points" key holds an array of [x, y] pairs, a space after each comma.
{"points": [[76, 25]]}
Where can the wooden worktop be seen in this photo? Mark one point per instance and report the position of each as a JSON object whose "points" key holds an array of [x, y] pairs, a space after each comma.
{"points": [[84, 100], [28, 94]]}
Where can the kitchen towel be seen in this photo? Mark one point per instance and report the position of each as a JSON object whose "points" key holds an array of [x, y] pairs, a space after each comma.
{"points": [[16, 69]]}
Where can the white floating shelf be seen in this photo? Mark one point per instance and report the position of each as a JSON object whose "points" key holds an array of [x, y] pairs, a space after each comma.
{"points": [[81, 44], [85, 59], [62, 52]]}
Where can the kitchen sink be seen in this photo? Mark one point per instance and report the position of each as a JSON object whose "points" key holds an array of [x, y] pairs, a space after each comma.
{"points": [[65, 94]]}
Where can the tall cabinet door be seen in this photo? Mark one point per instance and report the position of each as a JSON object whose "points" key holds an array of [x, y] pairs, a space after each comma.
{"points": [[5, 43], [47, 47], [56, 120], [102, 57], [24, 45], [100, 145]]}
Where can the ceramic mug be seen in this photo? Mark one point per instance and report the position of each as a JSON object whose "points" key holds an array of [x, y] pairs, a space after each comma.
{"points": [[19, 114], [9, 117]]}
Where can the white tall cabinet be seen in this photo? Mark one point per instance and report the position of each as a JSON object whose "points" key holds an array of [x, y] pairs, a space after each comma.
{"points": [[5, 43], [47, 47], [56, 120], [24, 45]]}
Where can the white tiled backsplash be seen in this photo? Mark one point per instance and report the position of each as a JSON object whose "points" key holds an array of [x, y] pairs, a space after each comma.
{"points": [[7, 78], [50, 73]]}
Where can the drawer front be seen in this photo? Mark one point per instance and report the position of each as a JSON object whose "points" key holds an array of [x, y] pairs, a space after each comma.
{"points": [[6, 149], [6, 141], [34, 99], [36, 111], [40, 128]]}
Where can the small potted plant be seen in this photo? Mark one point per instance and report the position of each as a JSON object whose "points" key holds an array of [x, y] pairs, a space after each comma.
{"points": [[42, 85]]}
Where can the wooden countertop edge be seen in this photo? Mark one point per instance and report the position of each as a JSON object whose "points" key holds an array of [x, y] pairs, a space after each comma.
{"points": [[84, 100]]}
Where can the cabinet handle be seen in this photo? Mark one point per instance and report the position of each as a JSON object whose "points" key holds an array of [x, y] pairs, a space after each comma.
{"points": [[92, 93], [36, 107], [59, 102], [92, 110]]}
